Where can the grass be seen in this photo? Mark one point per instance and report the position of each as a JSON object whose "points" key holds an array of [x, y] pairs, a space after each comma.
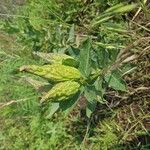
{"points": [[121, 124]]}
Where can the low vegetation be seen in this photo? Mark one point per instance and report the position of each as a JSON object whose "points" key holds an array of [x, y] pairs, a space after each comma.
{"points": [[75, 75]]}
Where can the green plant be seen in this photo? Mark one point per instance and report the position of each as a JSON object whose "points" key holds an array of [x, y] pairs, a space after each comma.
{"points": [[83, 35], [94, 73]]}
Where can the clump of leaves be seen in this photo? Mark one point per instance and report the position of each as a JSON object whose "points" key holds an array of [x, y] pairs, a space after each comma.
{"points": [[89, 78]]}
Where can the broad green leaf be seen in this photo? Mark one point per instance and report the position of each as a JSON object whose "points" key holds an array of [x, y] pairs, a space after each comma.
{"points": [[91, 96], [71, 35], [100, 89], [103, 57], [73, 51], [85, 58], [113, 53], [68, 104], [53, 108], [115, 81], [70, 62]]}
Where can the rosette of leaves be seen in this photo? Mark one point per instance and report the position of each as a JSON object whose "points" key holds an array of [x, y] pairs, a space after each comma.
{"points": [[87, 73]]}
